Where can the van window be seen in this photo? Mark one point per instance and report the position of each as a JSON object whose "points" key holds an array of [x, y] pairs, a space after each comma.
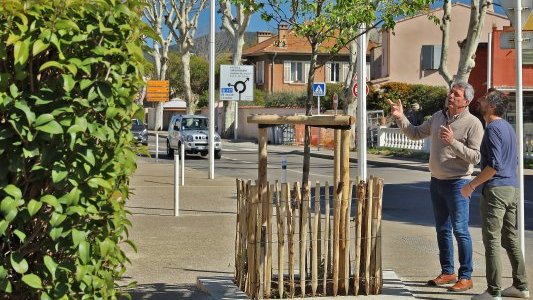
{"points": [[194, 124]]}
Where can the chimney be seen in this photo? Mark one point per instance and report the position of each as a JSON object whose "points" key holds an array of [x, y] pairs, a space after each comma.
{"points": [[283, 30], [263, 36], [490, 6]]}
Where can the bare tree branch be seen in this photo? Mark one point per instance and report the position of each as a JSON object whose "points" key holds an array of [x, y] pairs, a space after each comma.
{"points": [[184, 29]]}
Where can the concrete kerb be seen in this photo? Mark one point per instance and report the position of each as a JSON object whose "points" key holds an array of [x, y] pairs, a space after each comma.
{"points": [[223, 288]]}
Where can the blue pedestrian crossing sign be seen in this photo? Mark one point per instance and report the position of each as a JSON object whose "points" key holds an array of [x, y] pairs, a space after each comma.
{"points": [[319, 89]]}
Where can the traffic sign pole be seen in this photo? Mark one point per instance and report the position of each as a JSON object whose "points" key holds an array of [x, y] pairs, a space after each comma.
{"points": [[236, 122], [318, 138], [361, 107], [211, 140], [520, 124]]}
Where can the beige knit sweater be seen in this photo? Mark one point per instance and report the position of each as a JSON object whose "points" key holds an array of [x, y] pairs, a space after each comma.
{"points": [[453, 161]]}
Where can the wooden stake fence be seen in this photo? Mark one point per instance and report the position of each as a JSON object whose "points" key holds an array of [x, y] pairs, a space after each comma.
{"points": [[272, 222]]}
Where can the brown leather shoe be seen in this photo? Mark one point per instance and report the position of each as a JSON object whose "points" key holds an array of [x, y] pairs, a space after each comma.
{"points": [[462, 285], [442, 279]]}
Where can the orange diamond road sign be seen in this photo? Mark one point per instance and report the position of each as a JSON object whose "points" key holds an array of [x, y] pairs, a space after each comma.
{"points": [[157, 90]]}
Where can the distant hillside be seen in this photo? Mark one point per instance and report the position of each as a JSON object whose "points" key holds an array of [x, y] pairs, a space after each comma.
{"points": [[223, 43]]}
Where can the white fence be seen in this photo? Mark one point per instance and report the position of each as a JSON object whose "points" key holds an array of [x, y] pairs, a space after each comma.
{"points": [[528, 146], [394, 138]]}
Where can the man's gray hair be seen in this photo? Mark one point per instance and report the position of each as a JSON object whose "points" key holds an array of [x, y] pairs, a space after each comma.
{"points": [[499, 100], [467, 88]]}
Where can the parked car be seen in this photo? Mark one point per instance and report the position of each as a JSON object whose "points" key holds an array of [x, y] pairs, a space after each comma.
{"points": [[191, 132], [139, 131]]}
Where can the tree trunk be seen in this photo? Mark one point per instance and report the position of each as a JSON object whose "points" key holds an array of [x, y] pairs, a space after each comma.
{"points": [[229, 108], [445, 28], [469, 45], [161, 65], [187, 93], [350, 102], [307, 138]]}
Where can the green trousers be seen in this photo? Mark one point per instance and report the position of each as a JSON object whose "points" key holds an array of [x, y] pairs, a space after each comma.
{"points": [[498, 219]]}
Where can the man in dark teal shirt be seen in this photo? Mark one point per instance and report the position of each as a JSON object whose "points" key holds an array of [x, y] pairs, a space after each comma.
{"points": [[498, 177]]}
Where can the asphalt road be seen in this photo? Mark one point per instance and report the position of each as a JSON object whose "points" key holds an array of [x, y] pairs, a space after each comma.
{"points": [[407, 190]]}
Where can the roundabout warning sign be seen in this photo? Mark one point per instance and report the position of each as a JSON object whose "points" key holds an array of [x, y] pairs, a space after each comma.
{"points": [[236, 83]]}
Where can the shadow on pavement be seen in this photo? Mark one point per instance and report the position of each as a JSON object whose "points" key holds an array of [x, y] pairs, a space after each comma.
{"points": [[164, 291]]}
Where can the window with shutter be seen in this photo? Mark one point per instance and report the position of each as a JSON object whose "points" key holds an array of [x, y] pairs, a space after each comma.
{"points": [[260, 72], [295, 71], [333, 72], [431, 57], [287, 72], [345, 71], [327, 71], [306, 71]]}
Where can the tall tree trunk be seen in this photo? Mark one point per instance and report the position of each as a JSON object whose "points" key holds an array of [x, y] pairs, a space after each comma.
{"points": [[236, 27], [445, 28], [191, 101], [350, 101], [307, 132], [159, 108], [230, 106], [469, 45]]}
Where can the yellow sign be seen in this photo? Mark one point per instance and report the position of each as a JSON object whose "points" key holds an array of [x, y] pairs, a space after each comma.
{"points": [[157, 90], [529, 23]]}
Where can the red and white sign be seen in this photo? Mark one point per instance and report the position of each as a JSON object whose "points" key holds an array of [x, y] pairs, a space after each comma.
{"points": [[354, 87]]}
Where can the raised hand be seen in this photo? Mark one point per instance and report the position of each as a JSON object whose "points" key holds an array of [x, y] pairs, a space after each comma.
{"points": [[396, 109]]}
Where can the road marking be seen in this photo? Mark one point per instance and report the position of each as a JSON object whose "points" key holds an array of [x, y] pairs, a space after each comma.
{"points": [[313, 174], [241, 161], [240, 149]]}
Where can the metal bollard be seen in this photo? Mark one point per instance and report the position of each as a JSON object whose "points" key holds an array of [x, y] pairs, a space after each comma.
{"points": [[157, 146], [182, 165], [176, 185], [284, 170]]}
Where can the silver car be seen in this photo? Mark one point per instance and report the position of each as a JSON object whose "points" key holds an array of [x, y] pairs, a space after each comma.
{"points": [[192, 133], [139, 131]]}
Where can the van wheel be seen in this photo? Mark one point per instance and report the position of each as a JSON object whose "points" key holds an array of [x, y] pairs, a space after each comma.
{"points": [[170, 151], [218, 154]]}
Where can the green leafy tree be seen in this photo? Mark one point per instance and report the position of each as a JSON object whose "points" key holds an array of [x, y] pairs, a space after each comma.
{"points": [[329, 26], [235, 24], [69, 72], [199, 74]]}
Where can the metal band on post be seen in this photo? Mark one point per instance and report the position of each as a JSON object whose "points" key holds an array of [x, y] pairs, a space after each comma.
{"points": [[176, 185]]}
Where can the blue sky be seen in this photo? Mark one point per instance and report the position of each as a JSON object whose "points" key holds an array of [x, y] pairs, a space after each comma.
{"points": [[257, 24]]}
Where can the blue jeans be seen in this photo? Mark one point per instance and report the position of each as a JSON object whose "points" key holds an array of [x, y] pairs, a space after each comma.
{"points": [[451, 212]]}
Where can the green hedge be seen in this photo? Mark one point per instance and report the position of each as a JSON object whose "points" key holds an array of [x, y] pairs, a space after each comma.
{"points": [[430, 98], [285, 99], [69, 72]]}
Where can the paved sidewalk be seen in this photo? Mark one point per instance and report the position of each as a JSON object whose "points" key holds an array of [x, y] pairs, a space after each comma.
{"points": [[173, 252]]}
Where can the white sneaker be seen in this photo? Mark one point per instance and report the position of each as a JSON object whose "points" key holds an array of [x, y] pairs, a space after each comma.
{"points": [[512, 291], [486, 296]]}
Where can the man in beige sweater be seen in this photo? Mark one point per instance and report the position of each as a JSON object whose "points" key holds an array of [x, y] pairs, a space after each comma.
{"points": [[456, 136]]}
